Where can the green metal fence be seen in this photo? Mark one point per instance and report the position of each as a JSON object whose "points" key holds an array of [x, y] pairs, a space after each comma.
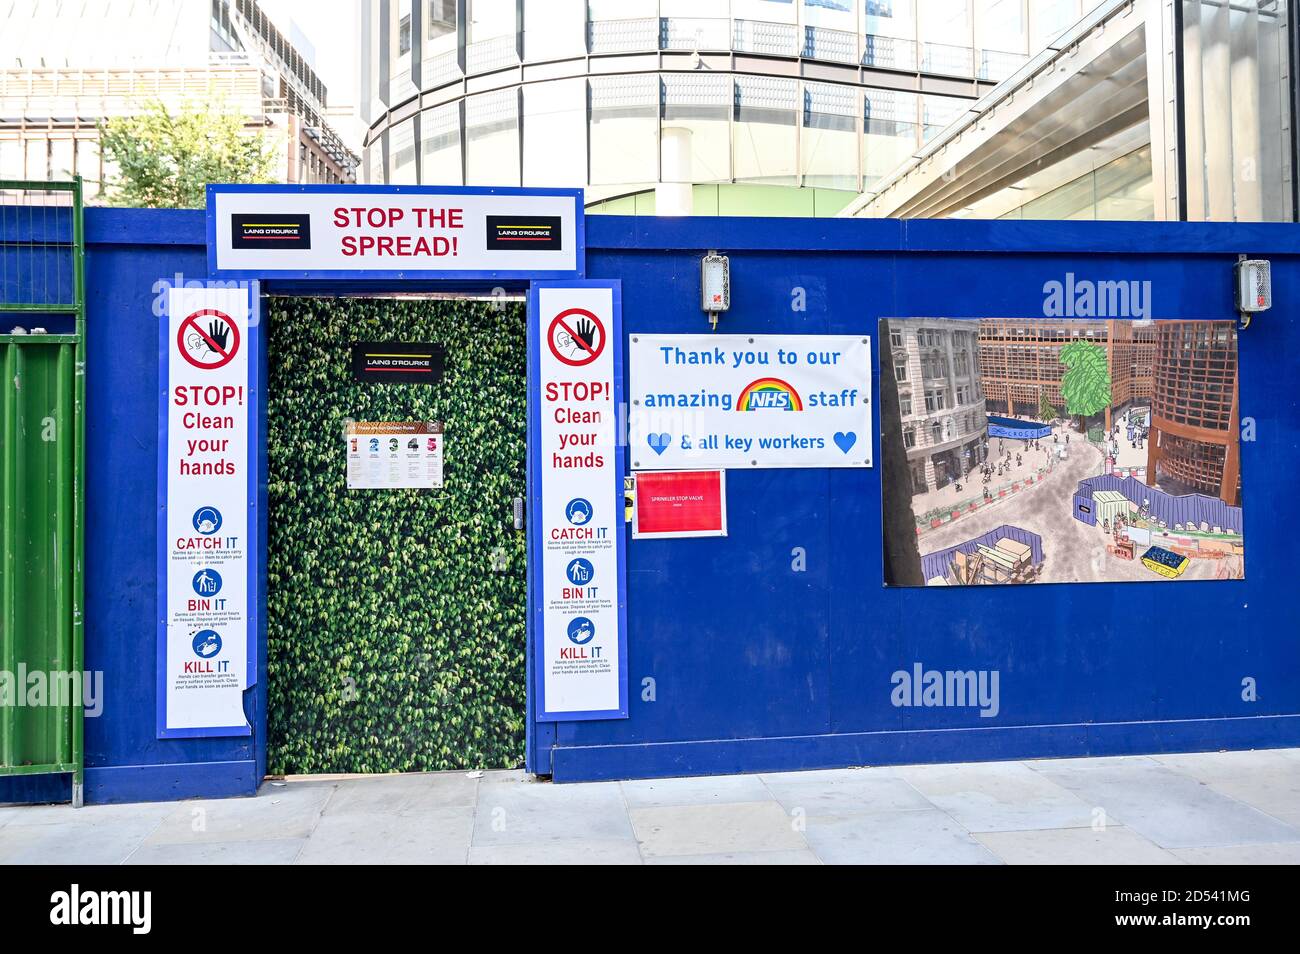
{"points": [[42, 501]]}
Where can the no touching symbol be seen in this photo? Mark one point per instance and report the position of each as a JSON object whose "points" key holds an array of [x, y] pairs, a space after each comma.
{"points": [[211, 344], [576, 337]]}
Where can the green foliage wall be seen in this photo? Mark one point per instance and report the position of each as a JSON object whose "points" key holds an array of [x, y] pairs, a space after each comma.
{"points": [[396, 617]]}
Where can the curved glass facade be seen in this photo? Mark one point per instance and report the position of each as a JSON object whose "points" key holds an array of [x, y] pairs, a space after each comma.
{"points": [[621, 96]]}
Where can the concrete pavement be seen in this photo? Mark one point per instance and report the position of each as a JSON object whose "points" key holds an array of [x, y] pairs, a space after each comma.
{"points": [[1212, 808]]}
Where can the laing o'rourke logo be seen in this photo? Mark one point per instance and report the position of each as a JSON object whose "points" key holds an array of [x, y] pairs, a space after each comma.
{"points": [[270, 230], [769, 394], [76, 907], [518, 232]]}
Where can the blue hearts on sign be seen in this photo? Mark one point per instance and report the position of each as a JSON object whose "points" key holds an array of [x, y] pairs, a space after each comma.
{"points": [[659, 442], [845, 441]]}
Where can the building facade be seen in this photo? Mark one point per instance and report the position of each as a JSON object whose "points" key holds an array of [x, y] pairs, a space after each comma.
{"points": [[1144, 109], [936, 364], [67, 67], [1195, 420], [1020, 361], [779, 107]]}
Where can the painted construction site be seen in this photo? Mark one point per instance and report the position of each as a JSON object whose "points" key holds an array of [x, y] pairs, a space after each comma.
{"points": [[1069, 451]]}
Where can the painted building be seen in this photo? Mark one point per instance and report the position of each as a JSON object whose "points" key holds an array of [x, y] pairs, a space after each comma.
{"points": [[1020, 361], [936, 365], [62, 73], [710, 107], [1195, 417], [1145, 109]]}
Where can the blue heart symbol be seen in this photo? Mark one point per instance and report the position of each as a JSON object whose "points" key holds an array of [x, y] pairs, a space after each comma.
{"points": [[659, 442], [844, 441]]}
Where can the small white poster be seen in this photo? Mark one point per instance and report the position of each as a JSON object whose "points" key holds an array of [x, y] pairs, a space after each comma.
{"points": [[745, 401], [204, 658], [581, 656], [386, 455]]}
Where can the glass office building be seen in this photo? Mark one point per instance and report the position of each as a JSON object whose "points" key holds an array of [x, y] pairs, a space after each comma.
{"points": [[777, 107], [1145, 109]]}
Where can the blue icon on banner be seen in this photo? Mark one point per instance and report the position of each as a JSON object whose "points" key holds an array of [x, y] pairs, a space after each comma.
{"points": [[207, 520], [581, 630], [580, 571], [206, 644], [579, 511], [206, 582]]}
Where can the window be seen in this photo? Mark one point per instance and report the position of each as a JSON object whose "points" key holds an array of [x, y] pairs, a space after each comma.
{"points": [[905, 405], [909, 437], [900, 372], [895, 339], [935, 400], [404, 36], [696, 127], [624, 130], [766, 132]]}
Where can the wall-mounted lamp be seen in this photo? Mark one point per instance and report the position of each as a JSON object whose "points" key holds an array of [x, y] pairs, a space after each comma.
{"points": [[715, 286], [1254, 287]]}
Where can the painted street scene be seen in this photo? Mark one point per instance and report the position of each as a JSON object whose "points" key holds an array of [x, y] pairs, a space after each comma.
{"points": [[1068, 451]]}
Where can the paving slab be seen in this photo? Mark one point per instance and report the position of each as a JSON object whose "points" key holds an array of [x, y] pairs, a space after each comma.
{"points": [[1115, 845], [90, 814], [74, 843], [577, 852], [998, 796], [274, 813], [844, 792], [440, 836], [1172, 810], [714, 829], [405, 794], [1268, 780], [514, 811], [805, 857], [707, 790], [279, 852], [1277, 854], [928, 837]]}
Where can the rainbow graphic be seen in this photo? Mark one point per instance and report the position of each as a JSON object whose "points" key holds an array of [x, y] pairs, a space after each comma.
{"points": [[769, 394]]}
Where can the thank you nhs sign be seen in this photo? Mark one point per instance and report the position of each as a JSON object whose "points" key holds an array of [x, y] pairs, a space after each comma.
{"points": [[744, 401]]}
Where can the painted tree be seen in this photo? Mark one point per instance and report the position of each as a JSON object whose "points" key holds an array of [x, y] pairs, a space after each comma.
{"points": [[1086, 385], [164, 158], [1046, 412]]}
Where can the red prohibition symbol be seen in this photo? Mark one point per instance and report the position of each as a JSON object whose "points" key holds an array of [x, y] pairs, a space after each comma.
{"points": [[576, 337], [210, 347]]}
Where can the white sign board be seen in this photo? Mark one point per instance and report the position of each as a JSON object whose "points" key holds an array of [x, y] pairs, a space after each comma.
{"points": [[204, 662], [581, 653], [384, 455], [394, 231], [719, 401]]}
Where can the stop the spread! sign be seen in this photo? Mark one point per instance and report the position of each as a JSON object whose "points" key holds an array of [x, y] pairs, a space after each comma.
{"points": [[745, 401], [394, 231], [582, 669]]}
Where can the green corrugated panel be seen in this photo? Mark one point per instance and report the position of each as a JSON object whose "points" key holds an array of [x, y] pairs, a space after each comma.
{"points": [[42, 498], [40, 672]]}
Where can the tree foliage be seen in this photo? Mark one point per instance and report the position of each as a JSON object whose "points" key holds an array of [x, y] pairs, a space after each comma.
{"points": [[1086, 384], [396, 618], [164, 159], [1046, 412]]}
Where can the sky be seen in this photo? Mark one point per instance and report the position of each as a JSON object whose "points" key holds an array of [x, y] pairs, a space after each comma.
{"points": [[331, 27]]}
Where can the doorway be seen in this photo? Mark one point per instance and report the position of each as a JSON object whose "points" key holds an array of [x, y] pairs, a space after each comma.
{"points": [[396, 618]]}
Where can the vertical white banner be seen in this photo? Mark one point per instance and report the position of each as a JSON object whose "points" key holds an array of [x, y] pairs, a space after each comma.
{"points": [[205, 486], [582, 653]]}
